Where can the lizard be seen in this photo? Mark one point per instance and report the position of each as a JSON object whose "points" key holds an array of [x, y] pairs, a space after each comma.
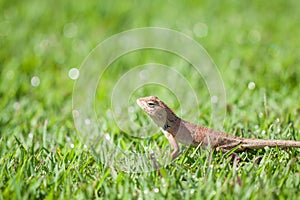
{"points": [[177, 130]]}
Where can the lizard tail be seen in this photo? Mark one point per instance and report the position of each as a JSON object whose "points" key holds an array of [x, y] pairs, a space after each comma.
{"points": [[260, 143]]}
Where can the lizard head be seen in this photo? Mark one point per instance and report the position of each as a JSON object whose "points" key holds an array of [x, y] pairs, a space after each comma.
{"points": [[156, 109]]}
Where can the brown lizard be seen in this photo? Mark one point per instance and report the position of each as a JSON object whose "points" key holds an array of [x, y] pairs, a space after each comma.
{"points": [[178, 130]]}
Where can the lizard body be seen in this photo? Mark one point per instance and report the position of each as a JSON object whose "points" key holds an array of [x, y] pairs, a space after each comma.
{"points": [[178, 130]]}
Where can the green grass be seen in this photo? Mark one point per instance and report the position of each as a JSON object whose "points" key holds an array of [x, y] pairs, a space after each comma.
{"points": [[41, 155]]}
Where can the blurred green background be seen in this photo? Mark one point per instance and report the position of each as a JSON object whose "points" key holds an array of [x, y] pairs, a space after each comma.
{"points": [[40, 41]]}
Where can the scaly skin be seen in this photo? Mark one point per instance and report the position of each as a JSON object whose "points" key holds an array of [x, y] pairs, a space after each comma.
{"points": [[178, 130]]}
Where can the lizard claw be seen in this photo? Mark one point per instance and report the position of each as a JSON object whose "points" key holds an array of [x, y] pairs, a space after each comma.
{"points": [[175, 154]]}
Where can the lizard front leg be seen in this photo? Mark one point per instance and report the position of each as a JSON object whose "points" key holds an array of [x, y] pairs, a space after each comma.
{"points": [[173, 144]]}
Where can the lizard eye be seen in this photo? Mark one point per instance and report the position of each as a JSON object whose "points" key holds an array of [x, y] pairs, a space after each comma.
{"points": [[151, 104]]}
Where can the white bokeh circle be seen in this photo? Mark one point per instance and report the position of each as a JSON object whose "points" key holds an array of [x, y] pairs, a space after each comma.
{"points": [[107, 52], [151, 73]]}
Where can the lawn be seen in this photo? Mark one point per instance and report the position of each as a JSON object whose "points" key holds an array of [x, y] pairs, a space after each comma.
{"points": [[46, 154]]}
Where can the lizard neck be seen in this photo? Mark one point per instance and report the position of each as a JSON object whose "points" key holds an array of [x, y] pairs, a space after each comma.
{"points": [[172, 123]]}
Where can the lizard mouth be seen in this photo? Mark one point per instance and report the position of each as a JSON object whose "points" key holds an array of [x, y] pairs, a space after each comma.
{"points": [[139, 102]]}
